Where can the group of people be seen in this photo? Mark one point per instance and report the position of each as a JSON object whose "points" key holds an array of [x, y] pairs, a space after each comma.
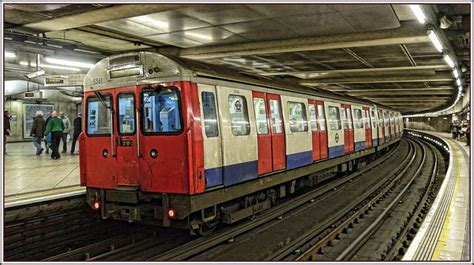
{"points": [[54, 129], [458, 131]]}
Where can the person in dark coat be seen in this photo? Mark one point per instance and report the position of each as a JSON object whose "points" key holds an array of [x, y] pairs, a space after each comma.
{"points": [[37, 131], [47, 143], [77, 131], [6, 129], [55, 126]]}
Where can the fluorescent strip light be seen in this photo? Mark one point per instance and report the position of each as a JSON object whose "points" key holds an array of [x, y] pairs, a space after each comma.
{"points": [[458, 82], [459, 88], [418, 13], [449, 61], [51, 66], [10, 55], [456, 73], [435, 40], [68, 63]]}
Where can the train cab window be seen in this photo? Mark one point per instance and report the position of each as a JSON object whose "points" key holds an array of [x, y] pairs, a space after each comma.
{"points": [[312, 117], [126, 113], [275, 114], [260, 115], [98, 115], [358, 121], [209, 114], [334, 118], [321, 118], [297, 117], [239, 117], [161, 111]]}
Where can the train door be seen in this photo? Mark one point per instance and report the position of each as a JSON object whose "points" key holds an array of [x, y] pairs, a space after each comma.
{"points": [[277, 131], [335, 129], [373, 122], [264, 137], [239, 137], [381, 126], [368, 127], [313, 121], [386, 123], [323, 134], [212, 138], [348, 129], [126, 135]]}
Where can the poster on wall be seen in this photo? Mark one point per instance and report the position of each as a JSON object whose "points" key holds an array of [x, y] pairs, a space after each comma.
{"points": [[29, 113]]}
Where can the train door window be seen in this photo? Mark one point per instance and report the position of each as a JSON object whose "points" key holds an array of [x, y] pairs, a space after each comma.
{"points": [[344, 119], [334, 118], [321, 118], [209, 114], [385, 118], [239, 118], [365, 115], [380, 119], [391, 119], [297, 117], [126, 113], [161, 111], [349, 118], [312, 118], [98, 115], [275, 113], [358, 121], [260, 115], [372, 117]]}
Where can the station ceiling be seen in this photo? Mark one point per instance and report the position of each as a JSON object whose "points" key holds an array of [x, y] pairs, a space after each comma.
{"points": [[377, 52]]}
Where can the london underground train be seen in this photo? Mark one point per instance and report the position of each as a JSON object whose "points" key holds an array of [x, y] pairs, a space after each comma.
{"points": [[185, 144]]}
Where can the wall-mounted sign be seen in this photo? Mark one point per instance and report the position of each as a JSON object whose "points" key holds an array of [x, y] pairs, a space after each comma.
{"points": [[64, 80]]}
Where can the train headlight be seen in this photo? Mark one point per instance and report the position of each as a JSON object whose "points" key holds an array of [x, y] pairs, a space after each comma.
{"points": [[96, 205], [171, 213]]}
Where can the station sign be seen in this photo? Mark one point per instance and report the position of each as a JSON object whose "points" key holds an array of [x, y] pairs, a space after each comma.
{"points": [[64, 80]]}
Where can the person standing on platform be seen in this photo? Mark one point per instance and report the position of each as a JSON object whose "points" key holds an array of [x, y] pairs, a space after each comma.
{"points": [[47, 139], [37, 131], [454, 130], [6, 129], [77, 131], [67, 129], [56, 127]]}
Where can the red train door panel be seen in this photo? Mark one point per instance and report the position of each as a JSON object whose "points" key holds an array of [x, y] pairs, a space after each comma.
{"points": [[323, 133], [368, 129], [264, 137], [126, 136], [313, 118], [348, 129], [277, 131]]}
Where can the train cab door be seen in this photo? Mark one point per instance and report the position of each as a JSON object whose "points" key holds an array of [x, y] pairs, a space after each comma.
{"points": [[322, 128], [277, 130], [264, 137], [126, 136], [313, 121], [368, 129], [348, 129]]}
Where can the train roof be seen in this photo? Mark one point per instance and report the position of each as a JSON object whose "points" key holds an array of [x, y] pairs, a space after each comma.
{"points": [[144, 67]]}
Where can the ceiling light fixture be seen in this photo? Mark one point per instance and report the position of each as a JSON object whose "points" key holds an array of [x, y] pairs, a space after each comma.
{"points": [[458, 82], [10, 55], [456, 73], [418, 13], [459, 88], [48, 66], [68, 63], [435, 40], [448, 60]]}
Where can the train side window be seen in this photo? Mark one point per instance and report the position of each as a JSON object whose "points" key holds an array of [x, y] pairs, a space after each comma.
{"points": [[161, 111], [297, 117], [260, 115], [275, 114], [312, 118], [358, 122], [321, 118], [98, 115], [239, 118], [126, 113], [334, 118], [209, 114]]}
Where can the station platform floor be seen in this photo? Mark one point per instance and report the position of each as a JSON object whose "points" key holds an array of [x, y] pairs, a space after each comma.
{"points": [[26, 173]]}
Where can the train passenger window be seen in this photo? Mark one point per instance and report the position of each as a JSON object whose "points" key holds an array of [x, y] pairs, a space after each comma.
{"points": [[161, 111], [260, 115], [98, 115], [312, 117], [209, 114], [297, 117], [358, 122], [321, 118], [126, 112], [275, 114], [239, 117], [334, 118]]}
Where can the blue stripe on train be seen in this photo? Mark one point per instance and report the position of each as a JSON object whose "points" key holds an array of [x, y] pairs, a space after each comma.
{"points": [[335, 151], [360, 145], [232, 174], [213, 177], [299, 159]]}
